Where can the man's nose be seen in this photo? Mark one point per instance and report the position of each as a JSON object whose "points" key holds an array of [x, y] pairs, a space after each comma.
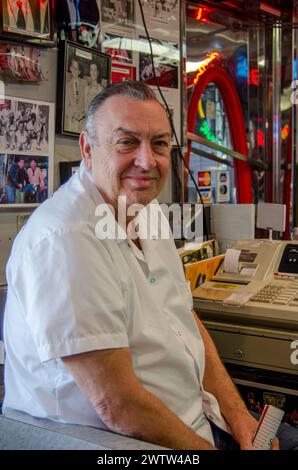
{"points": [[145, 157]]}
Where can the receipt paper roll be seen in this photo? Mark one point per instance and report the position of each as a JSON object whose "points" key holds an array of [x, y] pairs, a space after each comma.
{"points": [[231, 261]]}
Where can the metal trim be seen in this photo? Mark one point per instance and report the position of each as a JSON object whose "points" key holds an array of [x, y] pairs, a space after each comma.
{"points": [[232, 153]]}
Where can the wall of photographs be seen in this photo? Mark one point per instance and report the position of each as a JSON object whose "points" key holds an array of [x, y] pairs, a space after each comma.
{"points": [[43, 46]]}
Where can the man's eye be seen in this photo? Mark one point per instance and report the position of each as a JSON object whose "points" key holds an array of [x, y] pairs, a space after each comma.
{"points": [[126, 142], [161, 143]]}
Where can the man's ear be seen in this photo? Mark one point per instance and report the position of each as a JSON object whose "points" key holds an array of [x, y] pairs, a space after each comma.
{"points": [[85, 150]]}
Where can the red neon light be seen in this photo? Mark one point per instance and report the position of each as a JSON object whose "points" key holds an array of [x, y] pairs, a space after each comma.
{"points": [[199, 14], [260, 138], [202, 67], [285, 131], [254, 77]]}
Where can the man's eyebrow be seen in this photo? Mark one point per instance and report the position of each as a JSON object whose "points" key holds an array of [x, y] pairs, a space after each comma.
{"points": [[125, 131], [162, 134], [136, 133]]}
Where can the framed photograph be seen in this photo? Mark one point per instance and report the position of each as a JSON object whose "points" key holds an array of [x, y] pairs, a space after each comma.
{"points": [[23, 179], [166, 63], [79, 21], [119, 48], [23, 63], [82, 74], [26, 150], [118, 12], [28, 20], [67, 169]]}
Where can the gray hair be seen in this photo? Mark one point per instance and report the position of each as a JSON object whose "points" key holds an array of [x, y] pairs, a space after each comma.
{"points": [[133, 89]]}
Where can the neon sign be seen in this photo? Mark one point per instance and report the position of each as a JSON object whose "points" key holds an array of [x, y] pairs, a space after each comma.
{"points": [[204, 64], [204, 128], [285, 131], [254, 77], [199, 14]]}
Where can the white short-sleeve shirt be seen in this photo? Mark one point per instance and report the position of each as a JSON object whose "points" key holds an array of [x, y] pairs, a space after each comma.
{"points": [[69, 293]]}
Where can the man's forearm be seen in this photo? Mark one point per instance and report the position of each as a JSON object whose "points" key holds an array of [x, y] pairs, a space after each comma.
{"points": [[145, 417], [107, 379], [217, 381]]}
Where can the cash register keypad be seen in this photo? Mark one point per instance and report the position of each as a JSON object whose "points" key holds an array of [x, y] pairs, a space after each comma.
{"points": [[278, 295]]}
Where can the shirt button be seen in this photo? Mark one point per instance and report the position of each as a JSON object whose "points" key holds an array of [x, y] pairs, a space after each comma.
{"points": [[152, 280]]}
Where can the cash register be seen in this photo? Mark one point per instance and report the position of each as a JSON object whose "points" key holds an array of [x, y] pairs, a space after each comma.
{"points": [[250, 308]]}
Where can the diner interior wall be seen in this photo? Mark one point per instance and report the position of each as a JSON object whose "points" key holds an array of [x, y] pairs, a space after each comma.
{"points": [[66, 149]]}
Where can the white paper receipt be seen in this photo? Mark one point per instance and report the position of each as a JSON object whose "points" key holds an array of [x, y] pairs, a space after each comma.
{"points": [[231, 261], [268, 425]]}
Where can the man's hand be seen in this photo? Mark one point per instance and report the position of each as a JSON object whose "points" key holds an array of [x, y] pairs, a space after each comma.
{"points": [[217, 381], [243, 428]]}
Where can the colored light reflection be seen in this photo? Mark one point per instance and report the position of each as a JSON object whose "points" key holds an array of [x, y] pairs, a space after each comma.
{"points": [[204, 66], [285, 131]]}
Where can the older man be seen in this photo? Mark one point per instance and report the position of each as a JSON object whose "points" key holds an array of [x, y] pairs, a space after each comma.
{"points": [[102, 332]]}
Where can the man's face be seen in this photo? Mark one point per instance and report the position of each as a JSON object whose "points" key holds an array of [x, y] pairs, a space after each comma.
{"points": [[93, 72], [21, 164], [131, 154], [33, 165], [75, 69], [21, 127]]}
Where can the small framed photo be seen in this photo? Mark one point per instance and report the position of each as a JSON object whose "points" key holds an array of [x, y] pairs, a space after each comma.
{"points": [[82, 74], [26, 150], [67, 169], [28, 20]]}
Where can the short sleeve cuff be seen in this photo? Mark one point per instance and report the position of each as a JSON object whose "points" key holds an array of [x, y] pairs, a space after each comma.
{"points": [[71, 346]]}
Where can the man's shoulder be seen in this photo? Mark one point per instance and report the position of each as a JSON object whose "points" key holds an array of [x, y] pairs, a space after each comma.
{"points": [[69, 211]]}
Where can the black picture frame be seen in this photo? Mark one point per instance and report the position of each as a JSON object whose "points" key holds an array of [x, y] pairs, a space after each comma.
{"points": [[28, 21], [67, 169], [82, 73]]}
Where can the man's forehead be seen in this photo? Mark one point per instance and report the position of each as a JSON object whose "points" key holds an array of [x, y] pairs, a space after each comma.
{"points": [[123, 112]]}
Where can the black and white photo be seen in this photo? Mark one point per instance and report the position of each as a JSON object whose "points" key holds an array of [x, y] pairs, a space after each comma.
{"points": [[118, 12], [24, 127], [85, 73]]}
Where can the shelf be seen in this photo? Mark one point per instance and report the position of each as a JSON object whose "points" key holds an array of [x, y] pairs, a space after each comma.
{"points": [[17, 208]]}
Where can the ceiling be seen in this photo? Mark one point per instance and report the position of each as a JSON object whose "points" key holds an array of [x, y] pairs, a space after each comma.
{"points": [[257, 11]]}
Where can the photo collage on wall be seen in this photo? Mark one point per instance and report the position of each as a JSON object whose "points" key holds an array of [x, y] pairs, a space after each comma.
{"points": [[26, 150], [99, 42]]}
